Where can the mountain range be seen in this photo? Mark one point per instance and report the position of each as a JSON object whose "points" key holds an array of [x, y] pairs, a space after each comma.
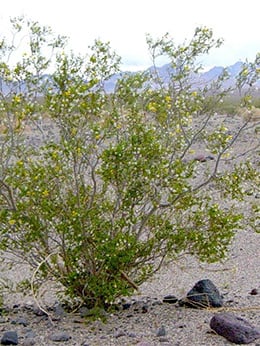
{"points": [[198, 80], [202, 78]]}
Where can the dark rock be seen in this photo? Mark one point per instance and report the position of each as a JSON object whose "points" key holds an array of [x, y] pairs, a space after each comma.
{"points": [[170, 299], [200, 158], [203, 295], [126, 306], [145, 308], [129, 315], [131, 335], [39, 312], [9, 338], [203, 158], [254, 292], [22, 321], [233, 328], [140, 306], [61, 336], [161, 331], [163, 339]]}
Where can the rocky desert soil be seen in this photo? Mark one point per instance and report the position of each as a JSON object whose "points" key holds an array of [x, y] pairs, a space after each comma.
{"points": [[149, 322]]}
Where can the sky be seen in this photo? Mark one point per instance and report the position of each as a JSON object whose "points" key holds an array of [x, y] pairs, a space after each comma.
{"points": [[125, 24]]}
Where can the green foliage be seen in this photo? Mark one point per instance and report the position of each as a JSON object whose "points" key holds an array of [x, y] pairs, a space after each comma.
{"points": [[102, 204]]}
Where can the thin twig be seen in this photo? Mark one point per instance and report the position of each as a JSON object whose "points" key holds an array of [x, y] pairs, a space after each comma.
{"points": [[33, 288], [126, 278]]}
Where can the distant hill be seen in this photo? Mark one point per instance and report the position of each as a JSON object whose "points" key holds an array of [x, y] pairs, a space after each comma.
{"points": [[215, 72], [197, 80], [164, 71]]}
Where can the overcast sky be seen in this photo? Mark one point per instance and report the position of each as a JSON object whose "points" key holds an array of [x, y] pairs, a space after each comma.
{"points": [[125, 22]]}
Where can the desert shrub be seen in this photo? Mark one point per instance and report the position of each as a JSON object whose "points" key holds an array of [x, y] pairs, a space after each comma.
{"points": [[256, 102], [249, 114], [113, 193], [229, 105]]}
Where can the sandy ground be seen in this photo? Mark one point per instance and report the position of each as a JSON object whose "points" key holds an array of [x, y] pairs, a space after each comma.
{"points": [[235, 278]]}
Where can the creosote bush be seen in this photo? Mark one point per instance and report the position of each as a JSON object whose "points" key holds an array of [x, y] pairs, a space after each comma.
{"points": [[109, 190]]}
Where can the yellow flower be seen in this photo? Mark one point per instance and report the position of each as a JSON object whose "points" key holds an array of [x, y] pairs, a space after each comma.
{"points": [[54, 154], [178, 129], [151, 107], [73, 131], [17, 99], [45, 193], [20, 163], [226, 155]]}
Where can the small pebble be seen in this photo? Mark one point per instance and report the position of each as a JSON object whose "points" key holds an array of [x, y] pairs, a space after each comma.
{"points": [[161, 331], [22, 321], [254, 292], [61, 336], [170, 299]]}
